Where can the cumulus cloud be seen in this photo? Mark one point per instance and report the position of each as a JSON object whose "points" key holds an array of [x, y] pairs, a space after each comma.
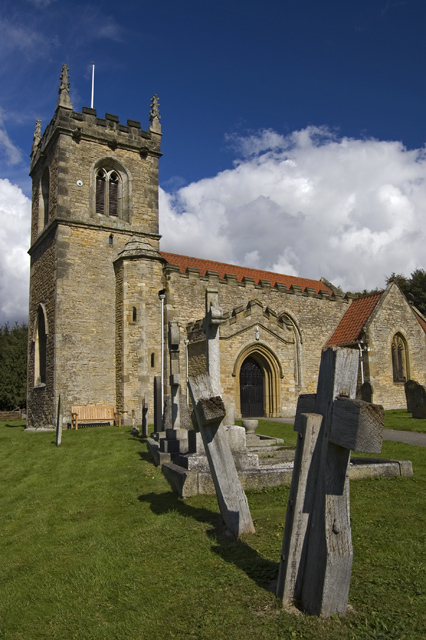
{"points": [[15, 210], [310, 204]]}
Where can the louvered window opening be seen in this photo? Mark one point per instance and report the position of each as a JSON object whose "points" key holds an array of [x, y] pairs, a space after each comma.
{"points": [[107, 186]]}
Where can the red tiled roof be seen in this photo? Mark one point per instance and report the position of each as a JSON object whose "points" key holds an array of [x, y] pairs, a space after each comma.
{"points": [[183, 262], [350, 326], [421, 321]]}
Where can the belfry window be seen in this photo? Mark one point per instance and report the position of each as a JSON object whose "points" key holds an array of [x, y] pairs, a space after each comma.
{"points": [[108, 192], [399, 359]]}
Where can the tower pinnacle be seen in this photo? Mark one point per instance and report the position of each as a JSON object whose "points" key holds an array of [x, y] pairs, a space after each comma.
{"points": [[154, 115], [64, 88], [36, 137]]}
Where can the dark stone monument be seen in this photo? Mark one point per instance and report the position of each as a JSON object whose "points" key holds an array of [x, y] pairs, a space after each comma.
{"points": [[158, 409]]}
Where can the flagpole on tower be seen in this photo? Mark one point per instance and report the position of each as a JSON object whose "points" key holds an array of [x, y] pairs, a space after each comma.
{"points": [[93, 85]]}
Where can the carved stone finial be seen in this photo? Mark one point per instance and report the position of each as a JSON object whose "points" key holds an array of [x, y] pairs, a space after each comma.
{"points": [[154, 115], [64, 88], [36, 137]]}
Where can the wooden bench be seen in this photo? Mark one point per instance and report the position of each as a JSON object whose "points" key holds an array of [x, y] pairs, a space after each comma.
{"points": [[94, 414]]}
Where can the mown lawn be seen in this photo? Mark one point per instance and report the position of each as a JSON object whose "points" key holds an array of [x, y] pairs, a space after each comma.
{"points": [[402, 420], [94, 545]]}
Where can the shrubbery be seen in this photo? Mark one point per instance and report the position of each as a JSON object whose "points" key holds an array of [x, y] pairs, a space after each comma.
{"points": [[13, 366]]}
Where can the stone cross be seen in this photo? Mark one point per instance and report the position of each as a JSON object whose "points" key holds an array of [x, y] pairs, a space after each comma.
{"points": [[210, 411], [316, 559], [212, 321]]}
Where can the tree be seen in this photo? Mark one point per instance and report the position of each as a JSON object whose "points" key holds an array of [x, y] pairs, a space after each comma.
{"points": [[13, 366], [414, 288]]}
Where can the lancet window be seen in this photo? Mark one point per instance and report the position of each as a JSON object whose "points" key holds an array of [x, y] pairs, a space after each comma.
{"points": [[399, 358]]}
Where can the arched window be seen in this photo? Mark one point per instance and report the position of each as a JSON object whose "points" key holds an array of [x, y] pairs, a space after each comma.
{"points": [[399, 358], [109, 191], [40, 351]]}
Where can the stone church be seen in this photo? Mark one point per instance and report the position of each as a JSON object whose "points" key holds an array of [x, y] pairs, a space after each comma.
{"points": [[103, 296]]}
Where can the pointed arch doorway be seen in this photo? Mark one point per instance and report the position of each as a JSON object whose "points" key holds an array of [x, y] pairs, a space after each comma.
{"points": [[251, 389], [257, 373]]}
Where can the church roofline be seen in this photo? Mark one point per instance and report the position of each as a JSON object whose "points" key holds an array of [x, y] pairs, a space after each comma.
{"points": [[293, 284]]}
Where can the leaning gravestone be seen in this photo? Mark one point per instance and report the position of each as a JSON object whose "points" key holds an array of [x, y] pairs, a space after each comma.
{"points": [[317, 553], [210, 411]]}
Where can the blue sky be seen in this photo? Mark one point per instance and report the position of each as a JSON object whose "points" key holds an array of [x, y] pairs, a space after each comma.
{"points": [[293, 130]]}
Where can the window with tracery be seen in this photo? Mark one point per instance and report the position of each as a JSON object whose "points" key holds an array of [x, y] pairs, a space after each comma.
{"points": [[399, 359], [108, 188]]}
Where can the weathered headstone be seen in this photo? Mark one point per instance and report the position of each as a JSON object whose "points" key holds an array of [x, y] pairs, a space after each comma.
{"points": [[415, 394], [419, 406], [366, 392], [316, 558], [409, 388], [210, 411]]}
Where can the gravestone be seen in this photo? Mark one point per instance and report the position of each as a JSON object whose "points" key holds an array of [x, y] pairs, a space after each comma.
{"points": [[419, 402], [366, 392], [145, 408], [415, 395], [409, 388], [316, 559], [210, 411]]}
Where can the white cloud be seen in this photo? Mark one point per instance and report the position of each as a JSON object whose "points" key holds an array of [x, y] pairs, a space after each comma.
{"points": [[309, 204], [10, 151], [22, 39], [314, 205], [15, 211]]}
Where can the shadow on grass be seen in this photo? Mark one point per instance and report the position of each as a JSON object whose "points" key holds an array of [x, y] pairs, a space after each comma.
{"points": [[13, 425], [234, 551]]}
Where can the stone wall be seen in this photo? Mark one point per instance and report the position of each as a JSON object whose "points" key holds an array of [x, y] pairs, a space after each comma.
{"points": [[394, 315], [41, 397]]}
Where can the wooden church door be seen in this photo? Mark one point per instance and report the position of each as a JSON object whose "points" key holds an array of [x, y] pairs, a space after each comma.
{"points": [[251, 388]]}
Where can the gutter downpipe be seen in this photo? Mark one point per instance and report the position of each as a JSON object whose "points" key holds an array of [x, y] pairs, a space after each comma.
{"points": [[361, 361]]}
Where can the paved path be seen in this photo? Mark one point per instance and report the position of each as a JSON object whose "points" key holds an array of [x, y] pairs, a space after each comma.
{"points": [[409, 437]]}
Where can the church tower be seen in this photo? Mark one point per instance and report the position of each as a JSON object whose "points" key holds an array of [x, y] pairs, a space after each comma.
{"points": [[94, 317]]}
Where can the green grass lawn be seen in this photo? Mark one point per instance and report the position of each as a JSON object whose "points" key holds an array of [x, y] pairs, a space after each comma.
{"points": [[401, 419], [94, 545]]}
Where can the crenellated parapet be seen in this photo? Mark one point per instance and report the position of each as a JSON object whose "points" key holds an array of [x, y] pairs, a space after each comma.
{"points": [[212, 277], [107, 131]]}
